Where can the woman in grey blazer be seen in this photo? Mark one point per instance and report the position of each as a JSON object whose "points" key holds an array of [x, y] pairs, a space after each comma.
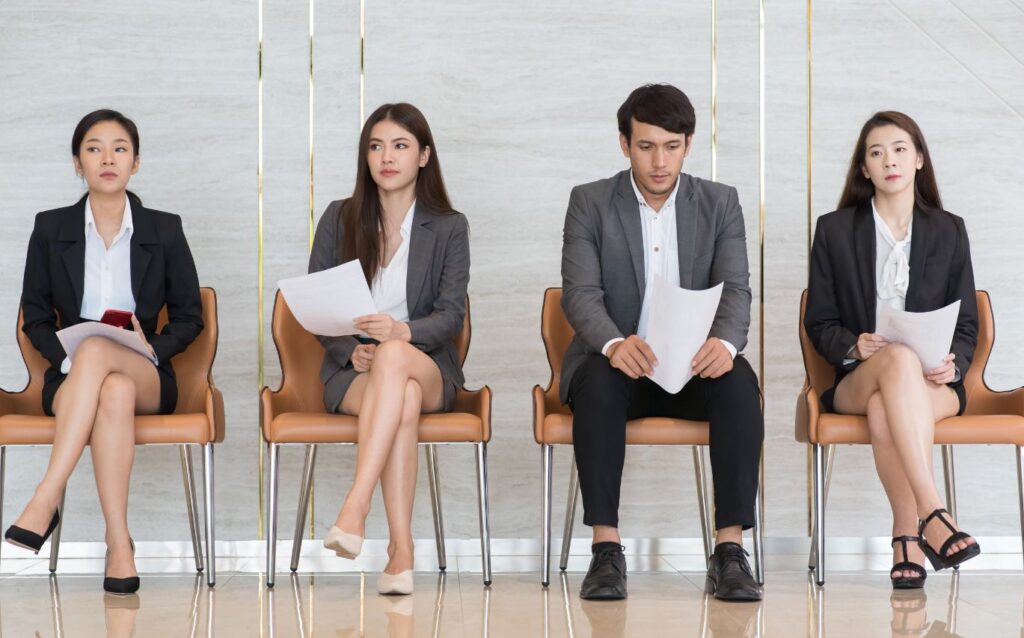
{"points": [[414, 250]]}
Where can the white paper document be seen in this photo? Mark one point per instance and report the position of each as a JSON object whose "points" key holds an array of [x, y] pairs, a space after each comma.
{"points": [[677, 327], [73, 337], [928, 334], [326, 302]]}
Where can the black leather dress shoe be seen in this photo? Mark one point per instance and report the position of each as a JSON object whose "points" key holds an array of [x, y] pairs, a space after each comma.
{"points": [[729, 576], [606, 578]]}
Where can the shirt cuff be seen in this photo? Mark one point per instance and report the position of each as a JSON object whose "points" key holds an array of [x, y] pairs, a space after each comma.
{"points": [[728, 346], [956, 374], [610, 343], [65, 366]]}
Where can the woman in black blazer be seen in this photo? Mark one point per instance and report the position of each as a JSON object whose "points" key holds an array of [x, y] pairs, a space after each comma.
{"points": [[891, 243], [106, 252], [413, 248]]}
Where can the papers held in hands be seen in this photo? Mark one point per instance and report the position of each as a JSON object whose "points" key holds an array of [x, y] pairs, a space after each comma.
{"points": [[326, 302], [928, 334], [72, 337], [678, 326]]}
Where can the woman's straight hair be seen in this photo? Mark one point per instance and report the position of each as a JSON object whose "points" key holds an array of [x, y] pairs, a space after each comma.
{"points": [[859, 189], [362, 218]]}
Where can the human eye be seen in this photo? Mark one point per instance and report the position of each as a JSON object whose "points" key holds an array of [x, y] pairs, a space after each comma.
{"points": [[401, 145], [374, 146]]}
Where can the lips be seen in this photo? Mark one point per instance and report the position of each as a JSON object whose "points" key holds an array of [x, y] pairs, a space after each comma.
{"points": [[108, 175], [387, 172], [892, 178]]}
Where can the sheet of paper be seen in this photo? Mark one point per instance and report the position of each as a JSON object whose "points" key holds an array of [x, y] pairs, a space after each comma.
{"points": [[72, 337], [677, 327], [326, 302], [929, 334]]}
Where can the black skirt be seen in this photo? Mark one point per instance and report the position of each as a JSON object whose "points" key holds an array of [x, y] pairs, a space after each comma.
{"points": [[828, 395], [168, 388]]}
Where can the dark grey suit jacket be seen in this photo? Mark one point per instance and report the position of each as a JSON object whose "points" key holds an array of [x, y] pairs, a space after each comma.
{"points": [[435, 293], [603, 262]]}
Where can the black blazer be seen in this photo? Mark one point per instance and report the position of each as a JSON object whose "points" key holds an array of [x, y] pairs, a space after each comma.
{"points": [[162, 273], [841, 290]]}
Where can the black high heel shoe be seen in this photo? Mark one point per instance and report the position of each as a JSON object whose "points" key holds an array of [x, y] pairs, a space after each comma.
{"points": [[906, 565], [121, 586], [939, 559], [30, 540]]}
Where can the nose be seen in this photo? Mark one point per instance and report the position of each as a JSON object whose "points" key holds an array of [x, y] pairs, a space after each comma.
{"points": [[385, 156], [108, 158], [659, 157]]}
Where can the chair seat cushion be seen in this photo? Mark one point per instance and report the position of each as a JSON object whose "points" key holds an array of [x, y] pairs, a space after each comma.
{"points": [[557, 430], [320, 427], [957, 430], [17, 429]]}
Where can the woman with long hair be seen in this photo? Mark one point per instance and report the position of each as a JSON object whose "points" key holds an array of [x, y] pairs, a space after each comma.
{"points": [[413, 248], [107, 252], [891, 244]]}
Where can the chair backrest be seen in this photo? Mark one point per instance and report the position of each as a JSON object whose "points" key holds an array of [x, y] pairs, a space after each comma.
{"points": [[191, 367], [820, 375], [557, 334], [301, 355]]}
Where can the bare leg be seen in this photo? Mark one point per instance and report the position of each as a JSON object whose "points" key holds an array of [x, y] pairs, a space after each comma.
{"points": [[75, 408], [731, 534], [605, 534], [912, 405], [398, 482], [380, 409]]}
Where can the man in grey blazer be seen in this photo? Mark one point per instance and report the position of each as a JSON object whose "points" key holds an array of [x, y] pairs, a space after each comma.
{"points": [[619, 233]]}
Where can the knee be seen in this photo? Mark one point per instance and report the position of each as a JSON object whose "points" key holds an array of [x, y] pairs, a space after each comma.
{"points": [[391, 357], [900, 361], [117, 395], [92, 352]]}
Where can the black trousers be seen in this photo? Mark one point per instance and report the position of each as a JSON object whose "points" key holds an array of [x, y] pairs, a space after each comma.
{"points": [[603, 398]]}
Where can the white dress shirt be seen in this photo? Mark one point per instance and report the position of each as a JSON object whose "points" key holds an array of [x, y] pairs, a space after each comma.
{"points": [[892, 265], [661, 255], [388, 289], [108, 271]]}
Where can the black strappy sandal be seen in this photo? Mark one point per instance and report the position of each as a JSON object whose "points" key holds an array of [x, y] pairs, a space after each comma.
{"points": [[905, 565], [940, 560]]}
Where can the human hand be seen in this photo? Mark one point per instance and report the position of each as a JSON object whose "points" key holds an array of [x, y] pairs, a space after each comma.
{"points": [[383, 327], [362, 356], [943, 374], [633, 356], [142, 335], [868, 344], [712, 360]]}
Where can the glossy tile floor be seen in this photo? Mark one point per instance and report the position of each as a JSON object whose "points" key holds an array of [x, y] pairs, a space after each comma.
{"points": [[665, 599]]}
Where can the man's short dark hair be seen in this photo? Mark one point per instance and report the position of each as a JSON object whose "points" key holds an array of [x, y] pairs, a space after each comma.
{"points": [[661, 105]]}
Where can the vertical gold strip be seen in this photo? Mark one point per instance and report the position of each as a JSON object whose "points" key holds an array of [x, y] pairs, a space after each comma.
{"points": [[714, 90], [259, 253], [362, 62], [810, 213], [761, 215], [311, 514]]}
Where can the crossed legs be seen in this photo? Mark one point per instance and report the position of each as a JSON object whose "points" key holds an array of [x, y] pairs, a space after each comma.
{"points": [[902, 407], [97, 403], [402, 383]]}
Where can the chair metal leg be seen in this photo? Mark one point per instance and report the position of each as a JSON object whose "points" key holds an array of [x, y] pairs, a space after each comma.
{"points": [[55, 541], [485, 514], [949, 473], [819, 515], [208, 504], [1020, 490], [190, 505], [3, 467], [547, 452], [434, 483], [758, 532], [570, 515], [702, 503], [830, 457], [305, 491], [273, 452]]}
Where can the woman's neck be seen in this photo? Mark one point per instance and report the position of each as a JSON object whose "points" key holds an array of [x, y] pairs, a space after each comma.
{"points": [[896, 209], [396, 203], [107, 206]]}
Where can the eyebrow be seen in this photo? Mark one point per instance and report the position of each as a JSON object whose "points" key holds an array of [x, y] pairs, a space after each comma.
{"points": [[896, 142], [397, 139], [96, 139]]}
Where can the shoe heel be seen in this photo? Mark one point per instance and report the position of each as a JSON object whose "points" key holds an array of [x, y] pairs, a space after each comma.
{"points": [[933, 558]]}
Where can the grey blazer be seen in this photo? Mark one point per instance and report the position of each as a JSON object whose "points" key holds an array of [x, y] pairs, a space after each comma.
{"points": [[603, 262], [435, 293]]}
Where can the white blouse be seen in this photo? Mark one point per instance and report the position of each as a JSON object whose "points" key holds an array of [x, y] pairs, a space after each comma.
{"points": [[892, 265], [388, 289]]}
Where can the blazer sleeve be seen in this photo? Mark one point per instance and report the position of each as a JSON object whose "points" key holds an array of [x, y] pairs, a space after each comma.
{"points": [[445, 320], [582, 290], [961, 286], [321, 257], [831, 339], [182, 296], [39, 321], [729, 266]]}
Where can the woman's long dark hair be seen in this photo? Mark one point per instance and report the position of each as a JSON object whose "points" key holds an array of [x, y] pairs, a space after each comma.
{"points": [[363, 217], [859, 189], [106, 115]]}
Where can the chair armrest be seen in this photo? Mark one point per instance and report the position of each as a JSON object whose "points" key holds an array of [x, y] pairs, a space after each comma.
{"points": [[538, 413], [476, 402], [267, 411], [6, 403], [808, 407], [215, 413]]}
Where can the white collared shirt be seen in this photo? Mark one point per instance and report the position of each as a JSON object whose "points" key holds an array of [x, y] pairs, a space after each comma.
{"points": [[388, 289], [661, 254], [892, 265]]}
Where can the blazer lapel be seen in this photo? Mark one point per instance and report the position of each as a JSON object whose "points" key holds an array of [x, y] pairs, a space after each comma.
{"points": [[72, 237], [142, 235], [628, 211], [864, 245], [919, 245], [687, 218], [421, 250]]}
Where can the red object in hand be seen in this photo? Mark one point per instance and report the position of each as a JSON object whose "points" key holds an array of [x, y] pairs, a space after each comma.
{"points": [[117, 318]]}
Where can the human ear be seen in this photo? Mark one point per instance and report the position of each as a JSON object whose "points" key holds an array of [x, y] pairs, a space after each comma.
{"points": [[424, 156], [624, 143]]}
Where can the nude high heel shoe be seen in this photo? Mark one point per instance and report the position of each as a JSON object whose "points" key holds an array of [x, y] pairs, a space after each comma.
{"points": [[395, 584], [342, 543]]}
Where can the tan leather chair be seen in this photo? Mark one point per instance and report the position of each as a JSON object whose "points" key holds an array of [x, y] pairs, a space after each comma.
{"points": [[294, 415], [992, 418], [198, 419], [552, 425]]}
